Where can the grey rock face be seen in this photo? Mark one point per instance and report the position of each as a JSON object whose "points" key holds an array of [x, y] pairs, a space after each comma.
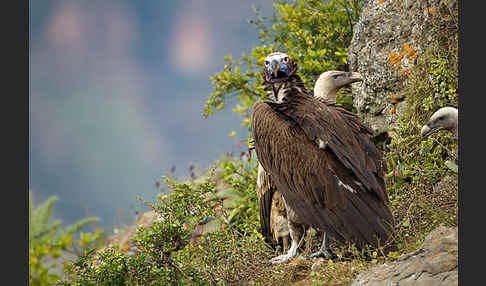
{"points": [[435, 263], [383, 29]]}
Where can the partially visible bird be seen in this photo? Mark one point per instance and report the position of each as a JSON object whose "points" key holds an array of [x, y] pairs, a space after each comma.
{"points": [[330, 82], [444, 118], [322, 160], [273, 215]]}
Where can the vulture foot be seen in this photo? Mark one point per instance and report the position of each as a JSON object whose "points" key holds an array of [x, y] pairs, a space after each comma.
{"points": [[285, 257], [322, 253]]}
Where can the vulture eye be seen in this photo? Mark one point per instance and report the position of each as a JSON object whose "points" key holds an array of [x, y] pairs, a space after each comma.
{"points": [[336, 76], [286, 60], [266, 63]]}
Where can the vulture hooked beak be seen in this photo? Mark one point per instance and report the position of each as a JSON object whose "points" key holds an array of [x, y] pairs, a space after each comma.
{"points": [[354, 76], [426, 129], [444, 118], [278, 67], [345, 78], [275, 66], [429, 128]]}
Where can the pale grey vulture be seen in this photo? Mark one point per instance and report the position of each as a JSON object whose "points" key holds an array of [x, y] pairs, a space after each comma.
{"points": [[445, 118]]}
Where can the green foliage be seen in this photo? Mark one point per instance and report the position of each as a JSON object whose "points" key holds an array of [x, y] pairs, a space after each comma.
{"points": [[48, 240], [238, 178], [206, 234], [314, 33]]}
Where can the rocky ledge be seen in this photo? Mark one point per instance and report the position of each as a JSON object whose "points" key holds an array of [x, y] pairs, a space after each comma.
{"points": [[435, 263]]}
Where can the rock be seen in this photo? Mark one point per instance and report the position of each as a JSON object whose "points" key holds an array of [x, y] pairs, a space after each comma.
{"points": [[386, 31], [434, 263]]}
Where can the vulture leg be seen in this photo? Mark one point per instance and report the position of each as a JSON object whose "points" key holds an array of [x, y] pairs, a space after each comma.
{"points": [[285, 241], [323, 251], [296, 234]]}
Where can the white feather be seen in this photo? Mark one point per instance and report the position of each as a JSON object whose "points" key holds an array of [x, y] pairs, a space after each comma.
{"points": [[340, 183], [322, 144], [281, 94], [260, 175]]}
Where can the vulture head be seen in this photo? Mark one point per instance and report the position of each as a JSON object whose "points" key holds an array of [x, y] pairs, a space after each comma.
{"points": [[444, 118], [280, 77], [278, 67], [330, 82]]}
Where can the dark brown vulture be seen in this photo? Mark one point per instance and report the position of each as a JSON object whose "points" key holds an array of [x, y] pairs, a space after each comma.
{"points": [[323, 162], [273, 215]]}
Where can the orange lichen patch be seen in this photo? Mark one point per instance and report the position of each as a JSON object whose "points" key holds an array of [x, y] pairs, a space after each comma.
{"points": [[397, 98], [409, 51], [394, 59], [412, 54]]}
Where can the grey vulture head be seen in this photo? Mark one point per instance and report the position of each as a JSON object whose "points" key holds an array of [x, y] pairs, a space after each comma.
{"points": [[445, 118], [329, 82], [278, 67]]}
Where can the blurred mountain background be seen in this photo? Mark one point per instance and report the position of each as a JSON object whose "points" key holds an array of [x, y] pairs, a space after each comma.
{"points": [[116, 94]]}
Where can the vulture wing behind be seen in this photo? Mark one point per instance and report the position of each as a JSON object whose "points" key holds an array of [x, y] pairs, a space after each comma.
{"points": [[265, 191], [338, 186]]}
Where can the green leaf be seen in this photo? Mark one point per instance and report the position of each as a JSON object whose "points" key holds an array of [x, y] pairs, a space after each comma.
{"points": [[452, 166]]}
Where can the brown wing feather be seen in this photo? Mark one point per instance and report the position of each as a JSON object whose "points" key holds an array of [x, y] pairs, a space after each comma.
{"points": [[345, 135], [265, 191], [312, 180]]}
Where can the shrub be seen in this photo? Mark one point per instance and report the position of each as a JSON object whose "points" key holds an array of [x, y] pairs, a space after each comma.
{"points": [[206, 234], [48, 240], [314, 33]]}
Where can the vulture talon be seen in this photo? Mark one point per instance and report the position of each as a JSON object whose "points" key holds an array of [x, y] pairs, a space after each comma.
{"points": [[326, 254], [323, 251], [283, 258]]}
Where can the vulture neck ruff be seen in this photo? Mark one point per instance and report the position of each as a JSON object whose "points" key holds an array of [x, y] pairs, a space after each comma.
{"points": [[284, 91]]}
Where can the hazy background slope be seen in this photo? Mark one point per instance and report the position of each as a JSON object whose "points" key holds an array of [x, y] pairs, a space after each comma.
{"points": [[116, 93]]}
